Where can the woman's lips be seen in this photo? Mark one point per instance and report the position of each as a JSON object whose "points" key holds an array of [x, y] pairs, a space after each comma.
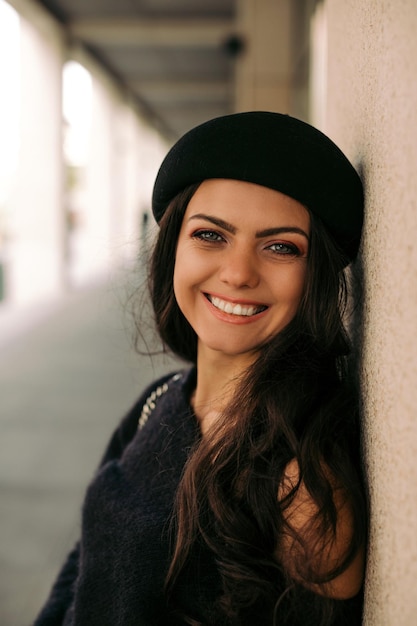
{"points": [[241, 309]]}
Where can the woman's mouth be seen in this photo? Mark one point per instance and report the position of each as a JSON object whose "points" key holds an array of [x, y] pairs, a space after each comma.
{"points": [[247, 310]]}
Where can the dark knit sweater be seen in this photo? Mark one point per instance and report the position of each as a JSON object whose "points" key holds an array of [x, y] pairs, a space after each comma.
{"points": [[115, 575]]}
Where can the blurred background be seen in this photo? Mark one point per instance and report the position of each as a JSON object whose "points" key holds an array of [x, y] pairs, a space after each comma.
{"points": [[92, 95], [94, 92]]}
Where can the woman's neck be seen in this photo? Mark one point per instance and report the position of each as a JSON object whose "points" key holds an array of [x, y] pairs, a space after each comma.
{"points": [[217, 380]]}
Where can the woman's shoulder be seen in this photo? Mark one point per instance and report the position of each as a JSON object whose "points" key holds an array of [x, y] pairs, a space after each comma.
{"points": [[303, 540], [148, 401], [139, 413]]}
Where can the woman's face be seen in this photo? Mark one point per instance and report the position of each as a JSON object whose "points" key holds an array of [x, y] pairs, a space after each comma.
{"points": [[240, 265]]}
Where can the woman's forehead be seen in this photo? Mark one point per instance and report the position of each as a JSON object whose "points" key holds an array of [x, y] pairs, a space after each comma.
{"points": [[242, 203]]}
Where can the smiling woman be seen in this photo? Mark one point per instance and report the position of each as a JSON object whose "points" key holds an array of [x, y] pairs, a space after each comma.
{"points": [[232, 492], [241, 284]]}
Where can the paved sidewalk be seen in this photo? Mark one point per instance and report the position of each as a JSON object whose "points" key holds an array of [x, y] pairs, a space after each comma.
{"points": [[65, 381]]}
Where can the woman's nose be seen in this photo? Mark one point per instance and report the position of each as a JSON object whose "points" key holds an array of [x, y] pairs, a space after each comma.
{"points": [[239, 269]]}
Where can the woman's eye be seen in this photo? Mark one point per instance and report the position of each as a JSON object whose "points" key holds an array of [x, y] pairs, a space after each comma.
{"points": [[284, 248], [208, 235]]}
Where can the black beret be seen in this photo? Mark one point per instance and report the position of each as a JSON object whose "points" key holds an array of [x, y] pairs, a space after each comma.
{"points": [[276, 151]]}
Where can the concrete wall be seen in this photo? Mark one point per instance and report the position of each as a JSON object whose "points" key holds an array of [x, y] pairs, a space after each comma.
{"points": [[263, 71], [272, 71], [36, 260], [366, 100]]}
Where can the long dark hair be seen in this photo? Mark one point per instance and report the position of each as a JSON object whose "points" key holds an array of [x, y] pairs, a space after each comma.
{"points": [[297, 401]]}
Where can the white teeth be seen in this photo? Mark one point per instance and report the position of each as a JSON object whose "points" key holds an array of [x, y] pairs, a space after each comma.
{"points": [[236, 309]]}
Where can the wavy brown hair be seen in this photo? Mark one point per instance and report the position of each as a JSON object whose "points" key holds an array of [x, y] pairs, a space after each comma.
{"points": [[297, 401]]}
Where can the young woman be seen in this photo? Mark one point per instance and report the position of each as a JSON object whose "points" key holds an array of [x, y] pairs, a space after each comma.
{"points": [[232, 492]]}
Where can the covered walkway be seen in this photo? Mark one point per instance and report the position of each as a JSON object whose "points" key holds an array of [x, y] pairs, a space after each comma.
{"points": [[64, 383]]}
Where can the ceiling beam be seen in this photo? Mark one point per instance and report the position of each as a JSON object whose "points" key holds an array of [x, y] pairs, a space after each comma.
{"points": [[154, 32], [197, 90]]}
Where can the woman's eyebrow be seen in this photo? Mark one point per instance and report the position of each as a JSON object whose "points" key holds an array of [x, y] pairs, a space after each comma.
{"points": [[217, 221], [282, 229]]}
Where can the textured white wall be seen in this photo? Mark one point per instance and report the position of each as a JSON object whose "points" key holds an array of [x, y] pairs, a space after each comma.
{"points": [[370, 105]]}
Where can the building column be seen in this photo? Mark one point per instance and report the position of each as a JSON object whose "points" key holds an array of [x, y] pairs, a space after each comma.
{"points": [[36, 251], [264, 69]]}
